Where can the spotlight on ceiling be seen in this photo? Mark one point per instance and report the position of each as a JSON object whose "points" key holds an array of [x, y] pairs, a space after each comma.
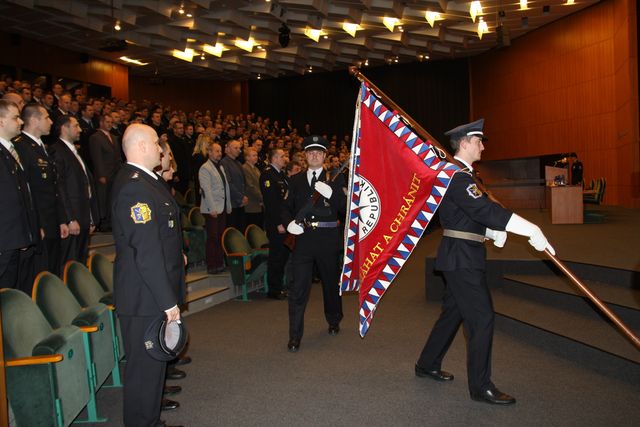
{"points": [[284, 36]]}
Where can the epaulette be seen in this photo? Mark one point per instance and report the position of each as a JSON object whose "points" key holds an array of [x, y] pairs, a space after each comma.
{"points": [[18, 138], [135, 175]]}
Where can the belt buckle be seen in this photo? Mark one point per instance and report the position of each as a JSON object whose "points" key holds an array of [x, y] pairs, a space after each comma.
{"points": [[314, 224]]}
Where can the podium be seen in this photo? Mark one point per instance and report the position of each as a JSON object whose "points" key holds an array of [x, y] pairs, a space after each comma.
{"points": [[565, 204]]}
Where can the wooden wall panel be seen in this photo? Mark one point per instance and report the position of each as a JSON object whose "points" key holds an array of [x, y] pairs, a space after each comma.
{"points": [[62, 63], [570, 86], [189, 95]]}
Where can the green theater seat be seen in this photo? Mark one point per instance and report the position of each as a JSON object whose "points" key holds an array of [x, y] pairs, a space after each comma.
{"points": [[247, 265], [60, 308], [102, 269], [46, 369], [256, 237]]}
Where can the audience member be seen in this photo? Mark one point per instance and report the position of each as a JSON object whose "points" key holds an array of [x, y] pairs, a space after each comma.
{"points": [[233, 170], [253, 209]]}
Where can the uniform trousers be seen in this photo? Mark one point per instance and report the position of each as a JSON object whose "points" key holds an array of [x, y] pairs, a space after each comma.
{"points": [[215, 227], [466, 300], [143, 375], [320, 247], [16, 269], [278, 256]]}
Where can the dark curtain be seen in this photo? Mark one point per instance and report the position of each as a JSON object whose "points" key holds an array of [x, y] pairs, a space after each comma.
{"points": [[435, 94]]}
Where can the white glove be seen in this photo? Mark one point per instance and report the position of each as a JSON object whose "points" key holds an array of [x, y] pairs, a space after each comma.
{"points": [[521, 226], [499, 237], [323, 189], [295, 228]]}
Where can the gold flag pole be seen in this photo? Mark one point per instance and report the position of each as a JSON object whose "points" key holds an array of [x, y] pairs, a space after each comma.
{"points": [[424, 135]]}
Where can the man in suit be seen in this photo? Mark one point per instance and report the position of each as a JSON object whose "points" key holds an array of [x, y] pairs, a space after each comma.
{"points": [[75, 186], [41, 172], [215, 205], [181, 153], [273, 184], [233, 169], [18, 220], [468, 217], [253, 209], [106, 160], [149, 276], [318, 239]]}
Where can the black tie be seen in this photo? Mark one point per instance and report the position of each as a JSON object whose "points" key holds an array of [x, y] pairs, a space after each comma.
{"points": [[313, 180]]}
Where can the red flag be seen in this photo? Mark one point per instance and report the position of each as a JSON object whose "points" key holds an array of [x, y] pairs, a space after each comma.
{"points": [[397, 182]]}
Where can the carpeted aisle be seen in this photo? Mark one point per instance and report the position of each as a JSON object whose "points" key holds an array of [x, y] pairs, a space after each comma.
{"points": [[242, 374]]}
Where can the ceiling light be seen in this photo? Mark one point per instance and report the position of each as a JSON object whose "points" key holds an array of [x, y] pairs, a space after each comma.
{"points": [[187, 55], [189, 15], [475, 9], [366, 62], [432, 17], [313, 34], [390, 22], [117, 27], [350, 28], [325, 36], [260, 75], [214, 50], [482, 28], [133, 61], [181, 10], [245, 44], [570, 2], [401, 29], [523, 4], [190, 40]]}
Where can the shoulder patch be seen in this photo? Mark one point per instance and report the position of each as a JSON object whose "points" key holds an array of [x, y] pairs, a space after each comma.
{"points": [[140, 213], [474, 191]]}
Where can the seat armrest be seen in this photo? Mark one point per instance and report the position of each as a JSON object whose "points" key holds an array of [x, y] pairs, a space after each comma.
{"points": [[34, 360]]}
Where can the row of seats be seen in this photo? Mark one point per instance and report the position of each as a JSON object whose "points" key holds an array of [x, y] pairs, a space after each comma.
{"points": [[246, 257], [61, 345]]}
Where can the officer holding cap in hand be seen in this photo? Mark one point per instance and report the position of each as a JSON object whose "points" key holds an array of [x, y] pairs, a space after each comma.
{"points": [[149, 276], [468, 217], [318, 238]]}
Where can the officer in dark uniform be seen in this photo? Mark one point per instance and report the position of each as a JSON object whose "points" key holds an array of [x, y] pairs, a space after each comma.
{"points": [[149, 276], [468, 217], [42, 175], [318, 241], [273, 185], [18, 220]]}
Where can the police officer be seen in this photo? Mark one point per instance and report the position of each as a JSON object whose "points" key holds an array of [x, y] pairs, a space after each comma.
{"points": [[149, 277], [42, 175], [315, 223], [468, 217], [273, 185]]}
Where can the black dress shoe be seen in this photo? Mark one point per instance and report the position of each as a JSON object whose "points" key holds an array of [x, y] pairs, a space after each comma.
{"points": [[293, 345], [169, 405], [182, 361], [437, 375], [279, 295], [175, 374], [171, 389], [333, 330], [494, 396]]}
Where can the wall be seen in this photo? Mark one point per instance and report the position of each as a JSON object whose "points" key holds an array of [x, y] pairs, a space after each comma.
{"points": [[570, 86], [62, 63], [189, 95]]}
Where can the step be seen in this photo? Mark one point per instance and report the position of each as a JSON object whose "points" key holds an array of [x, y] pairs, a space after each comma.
{"points": [[100, 237], [205, 290], [567, 316], [608, 293]]}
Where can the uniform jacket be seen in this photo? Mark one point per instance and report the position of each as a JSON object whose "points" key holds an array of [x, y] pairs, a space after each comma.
{"points": [[74, 186], [233, 171], [324, 209], [18, 220], [212, 189], [466, 208], [41, 172], [273, 185], [105, 156], [149, 275], [252, 188]]}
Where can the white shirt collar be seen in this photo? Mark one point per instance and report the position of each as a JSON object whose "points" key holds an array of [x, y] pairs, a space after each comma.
{"points": [[38, 140], [70, 145], [464, 163], [7, 144], [150, 173]]}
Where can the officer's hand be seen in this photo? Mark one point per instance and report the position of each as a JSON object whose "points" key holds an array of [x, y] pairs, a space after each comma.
{"points": [[323, 189], [173, 314], [64, 231], [294, 228], [540, 243], [499, 237], [74, 228]]}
